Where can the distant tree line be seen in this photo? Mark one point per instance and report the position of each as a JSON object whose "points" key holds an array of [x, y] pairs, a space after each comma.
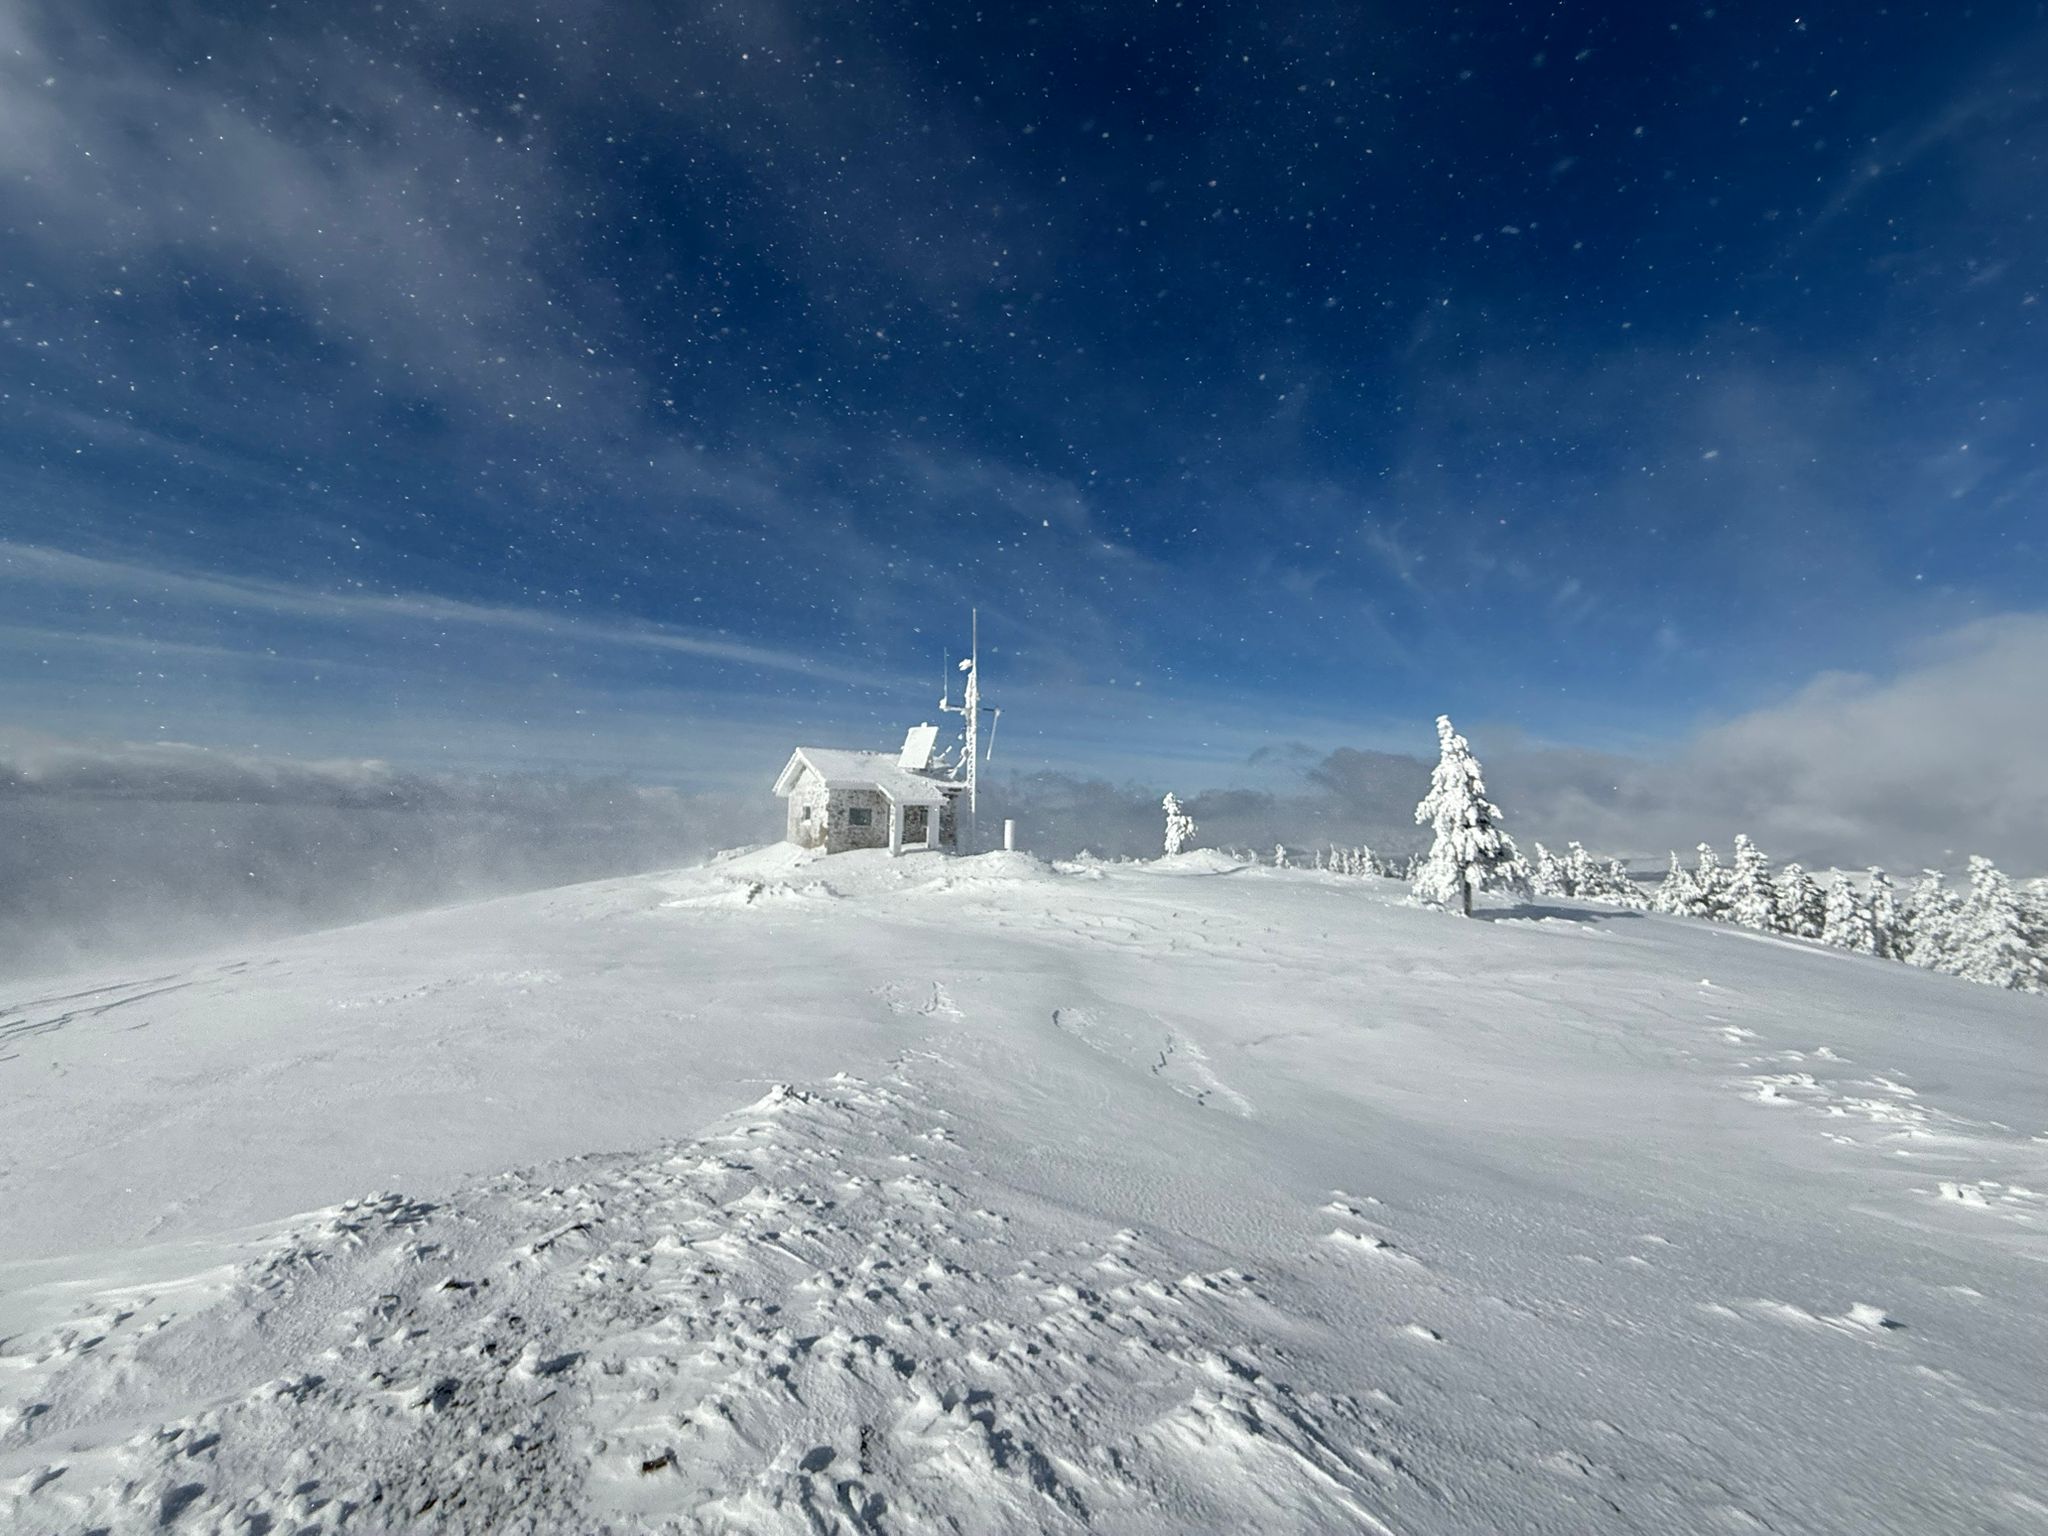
{"points": [[1339, 860], [1992, 932]]}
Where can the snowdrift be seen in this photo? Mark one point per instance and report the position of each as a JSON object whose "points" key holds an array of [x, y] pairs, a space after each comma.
{"points": [[854, 1194]]}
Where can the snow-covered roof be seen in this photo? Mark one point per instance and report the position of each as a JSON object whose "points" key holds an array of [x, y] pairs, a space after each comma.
{"points": [[842, 768]]}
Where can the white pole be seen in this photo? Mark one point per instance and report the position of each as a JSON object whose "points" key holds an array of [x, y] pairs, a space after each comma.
{"points": [[1009, 835], [973, 704], [967, 829], [895, 830]]}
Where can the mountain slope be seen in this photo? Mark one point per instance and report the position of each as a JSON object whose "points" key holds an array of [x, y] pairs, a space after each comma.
{"points": [[977, 1194]]}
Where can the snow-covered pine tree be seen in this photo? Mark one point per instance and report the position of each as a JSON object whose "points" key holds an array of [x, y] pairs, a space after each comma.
{"points": [[1279, 855], [1752, 901], [1470, 852], [1621, 888], [1887, 924], [1883, 904], [1605, 880], [1180, 826], [1991, 945], [1676, 893], [1710, 886], [1546, 873], [1845, 922], [2033, 897], [1930, 922], [1581, 874], [1801, 910]]}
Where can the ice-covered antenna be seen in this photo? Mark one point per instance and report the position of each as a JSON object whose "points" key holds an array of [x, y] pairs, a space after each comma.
{"points": [[969, 709]]}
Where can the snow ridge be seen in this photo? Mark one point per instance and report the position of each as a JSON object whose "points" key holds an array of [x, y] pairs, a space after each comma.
{"points": [[789, 1324]]}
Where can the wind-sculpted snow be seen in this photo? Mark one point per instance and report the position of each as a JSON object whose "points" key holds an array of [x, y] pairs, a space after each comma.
{"points": [[787, 1324], [1155, 1198]]}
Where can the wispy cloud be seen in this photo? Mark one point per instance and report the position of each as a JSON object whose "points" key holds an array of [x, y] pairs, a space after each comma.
{"points": [[415, 611], [399, 226], [2007, 91]]}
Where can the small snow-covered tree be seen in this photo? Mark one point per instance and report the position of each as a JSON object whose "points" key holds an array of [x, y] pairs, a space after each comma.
{"points": [[1990, 943], [1180, 826], [1546, 873], [1581, 874], [1620, 887], [1592, 879], [1752, 901], [1845, 922], [1801, 909], [1710, 886], [1470, 851], [2033, 899], [1279, 855], [1885, 930], [1676, 892], [1932, 913]]}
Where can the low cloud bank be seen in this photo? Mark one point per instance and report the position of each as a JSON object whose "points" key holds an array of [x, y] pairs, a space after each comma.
{"points": [[117, 853], [114, 852], [1062, 814], [1946, 758]]}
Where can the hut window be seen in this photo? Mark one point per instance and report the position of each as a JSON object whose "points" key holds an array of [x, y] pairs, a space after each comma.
{"points": [[859, 816]]}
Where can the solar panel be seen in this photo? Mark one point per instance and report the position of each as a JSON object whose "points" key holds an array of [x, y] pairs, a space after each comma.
{"points": [[918, 744]]}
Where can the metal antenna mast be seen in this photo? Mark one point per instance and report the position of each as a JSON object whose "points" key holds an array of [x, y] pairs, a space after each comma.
{"points": [[969, 709]]}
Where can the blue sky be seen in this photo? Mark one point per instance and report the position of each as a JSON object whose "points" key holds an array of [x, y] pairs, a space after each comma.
{"points": [[640, 388]]}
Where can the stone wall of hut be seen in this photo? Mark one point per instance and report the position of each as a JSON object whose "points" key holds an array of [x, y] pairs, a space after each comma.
{"points": [[818, 818]]}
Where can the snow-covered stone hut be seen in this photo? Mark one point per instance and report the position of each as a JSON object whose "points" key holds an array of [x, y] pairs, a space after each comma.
{"points": [[841, 799]]}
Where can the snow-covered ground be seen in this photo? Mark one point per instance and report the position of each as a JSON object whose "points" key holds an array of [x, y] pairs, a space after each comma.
{"points": [[979, 1195]]}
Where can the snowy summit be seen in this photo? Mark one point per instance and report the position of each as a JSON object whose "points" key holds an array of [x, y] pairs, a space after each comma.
{"points": [[497, 1038], [800, 1193]]}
